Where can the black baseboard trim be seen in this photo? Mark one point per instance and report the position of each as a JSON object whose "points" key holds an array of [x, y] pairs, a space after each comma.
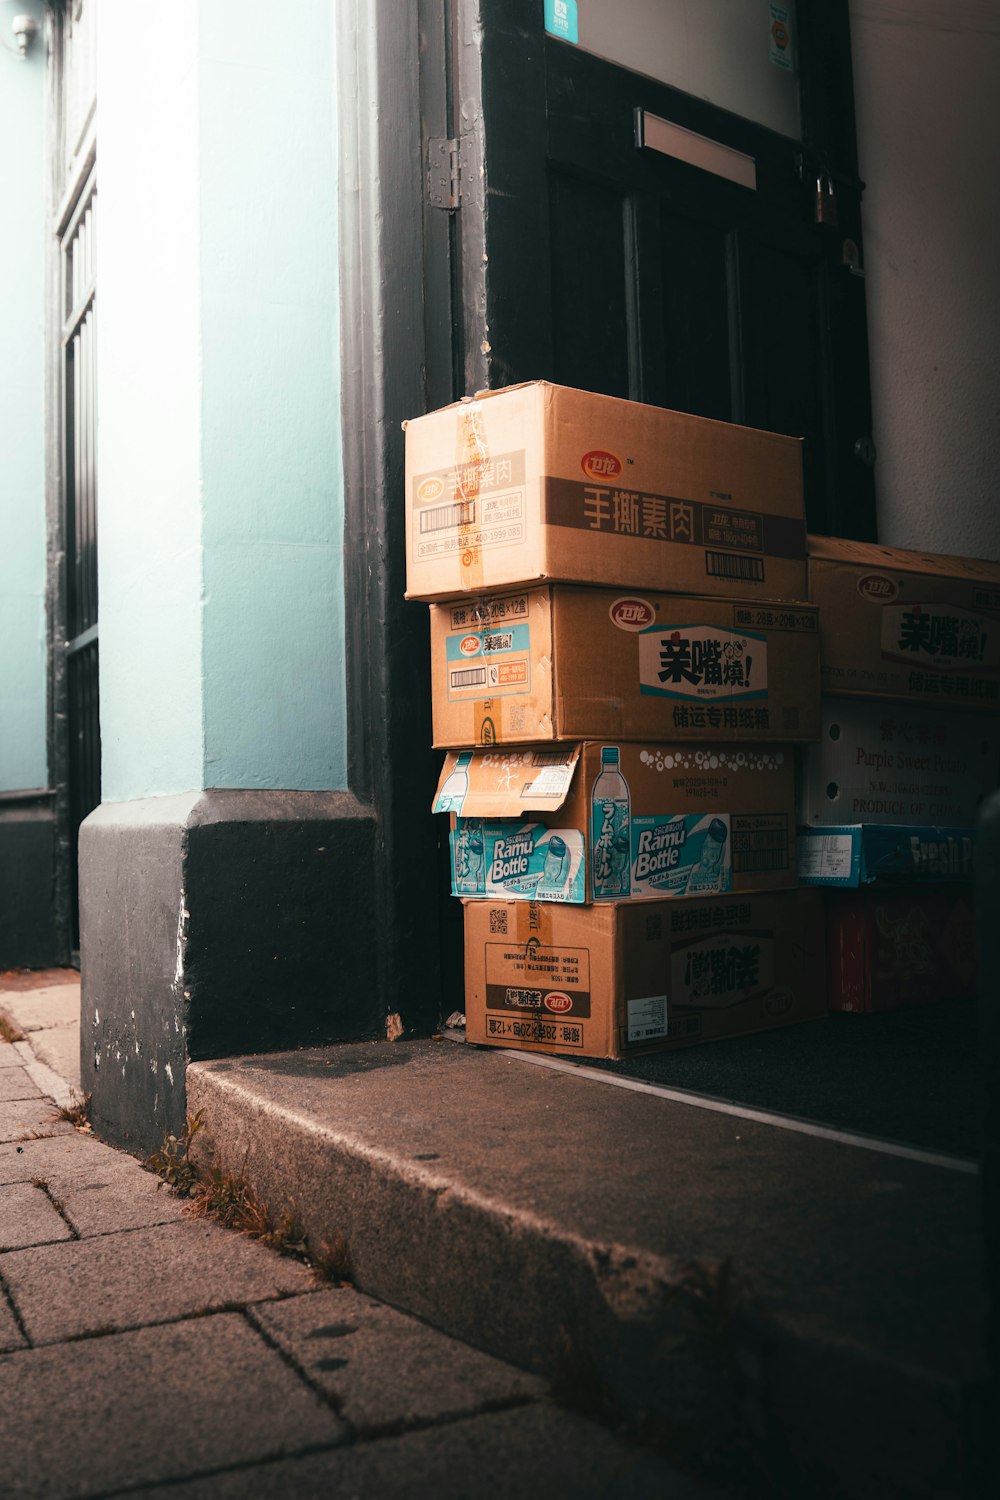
{"points": [[29, 931], [215, 924]]}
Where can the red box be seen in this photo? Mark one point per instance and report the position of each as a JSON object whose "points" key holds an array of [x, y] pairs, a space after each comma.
{"points": [[890, 948]]}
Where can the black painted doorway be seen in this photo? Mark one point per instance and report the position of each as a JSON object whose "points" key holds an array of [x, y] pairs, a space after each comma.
{"points": [[577, 252]]}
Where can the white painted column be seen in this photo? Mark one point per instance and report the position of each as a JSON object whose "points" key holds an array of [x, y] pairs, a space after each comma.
{"points": [[926, 77]]}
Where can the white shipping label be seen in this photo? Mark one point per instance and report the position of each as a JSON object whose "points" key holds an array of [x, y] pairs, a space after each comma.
{"points": [[825, 856], [704, 662], [647, 1018]]}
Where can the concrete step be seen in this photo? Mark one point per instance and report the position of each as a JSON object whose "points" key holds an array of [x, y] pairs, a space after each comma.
{"points": [[749, 1299]]}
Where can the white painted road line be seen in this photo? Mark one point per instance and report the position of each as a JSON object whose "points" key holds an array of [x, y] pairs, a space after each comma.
{"points": [[742, 1112]]}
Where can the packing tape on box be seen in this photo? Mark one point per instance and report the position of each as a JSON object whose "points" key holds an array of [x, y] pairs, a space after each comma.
{"points": [[532, 924], [471, 457], [486, 731]]}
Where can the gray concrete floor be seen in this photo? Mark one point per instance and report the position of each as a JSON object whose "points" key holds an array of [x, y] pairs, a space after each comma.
{"points": [[909, 1075], [510, 1225], [144, 1351]]}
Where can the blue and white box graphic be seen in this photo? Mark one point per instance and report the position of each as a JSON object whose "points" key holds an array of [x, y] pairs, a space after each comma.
{"points": [[505, 860], [686, 855]]}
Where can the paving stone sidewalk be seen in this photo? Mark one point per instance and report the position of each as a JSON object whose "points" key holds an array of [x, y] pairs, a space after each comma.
{"points": [[143, 1351]]}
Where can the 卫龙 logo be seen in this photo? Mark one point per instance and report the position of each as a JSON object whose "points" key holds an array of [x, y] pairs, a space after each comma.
{"points": [[877, 588], [600, 464], [559, 1002], [630, 613]]}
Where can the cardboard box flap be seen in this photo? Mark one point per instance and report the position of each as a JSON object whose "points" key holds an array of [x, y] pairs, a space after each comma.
{"points": [[874, 555], [464, 402], [521, 385], [505, 784], [550, 391]]}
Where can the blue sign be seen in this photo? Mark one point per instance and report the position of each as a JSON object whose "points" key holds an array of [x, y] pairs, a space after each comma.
{"points": [[561, 20]]}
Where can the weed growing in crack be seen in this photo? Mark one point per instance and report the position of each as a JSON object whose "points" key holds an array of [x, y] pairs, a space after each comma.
{"points": [[332, 1262], [216, 1193], [220, 1196], [76, 1112], [173, 1160], [42, 1183]]}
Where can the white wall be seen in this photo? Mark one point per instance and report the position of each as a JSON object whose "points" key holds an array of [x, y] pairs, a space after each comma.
{"points": [[927, 80]]}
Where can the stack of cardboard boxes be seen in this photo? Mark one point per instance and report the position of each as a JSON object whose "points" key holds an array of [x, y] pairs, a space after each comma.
{"points": [[622, 668], [910, 744]]}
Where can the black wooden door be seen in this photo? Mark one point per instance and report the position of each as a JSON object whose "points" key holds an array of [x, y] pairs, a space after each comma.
{"points": [[585, 256]]}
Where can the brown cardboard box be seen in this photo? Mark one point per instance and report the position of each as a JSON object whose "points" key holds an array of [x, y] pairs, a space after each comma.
{"points": [[565, 663], [898, 624], [608, 822], [540, 482], [610, 981], [898, 763]]}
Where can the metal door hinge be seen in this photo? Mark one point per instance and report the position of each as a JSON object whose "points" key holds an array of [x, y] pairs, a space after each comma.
{"points": [[444, 172]]}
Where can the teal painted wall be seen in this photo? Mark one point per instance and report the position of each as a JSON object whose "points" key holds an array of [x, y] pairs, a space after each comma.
{"points": [[273, 529], [149, 393], [23, 666], [220, 477]]}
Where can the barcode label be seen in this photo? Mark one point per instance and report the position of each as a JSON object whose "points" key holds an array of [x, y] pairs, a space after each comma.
{"points": [[553, 781], [469, 677], [731, 565], [687, 1026], [446, 517], [761, 859]]}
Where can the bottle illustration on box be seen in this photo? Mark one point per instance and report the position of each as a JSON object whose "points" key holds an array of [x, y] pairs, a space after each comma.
{"points": [[456, 788], [708, 874], [469, 864], [555, 871], [611, 829]]}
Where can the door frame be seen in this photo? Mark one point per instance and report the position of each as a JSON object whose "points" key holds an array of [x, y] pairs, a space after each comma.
{"points": [[391, 765], [418, 332], [63, 191]]}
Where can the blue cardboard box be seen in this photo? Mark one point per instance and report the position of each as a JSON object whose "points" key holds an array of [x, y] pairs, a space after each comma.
{"points": [[849, 855]]}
